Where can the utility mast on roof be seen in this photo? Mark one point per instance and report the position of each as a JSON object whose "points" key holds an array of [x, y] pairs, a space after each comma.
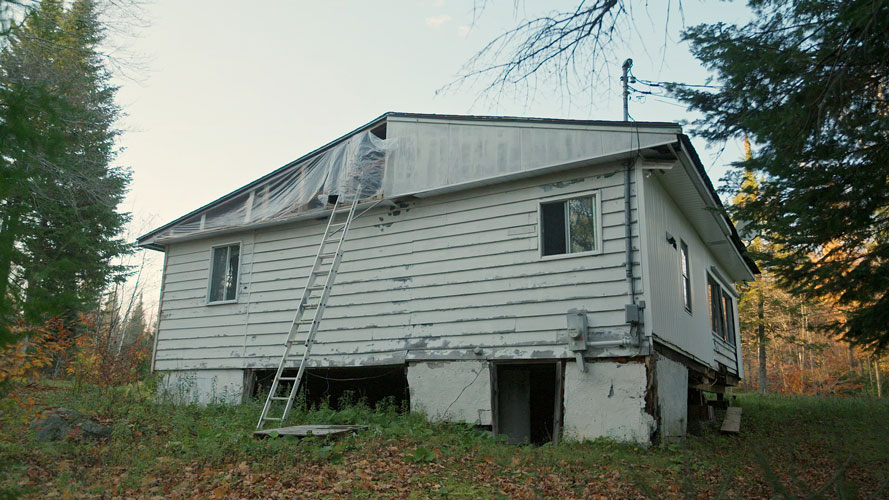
{"points": [[625, 80]]}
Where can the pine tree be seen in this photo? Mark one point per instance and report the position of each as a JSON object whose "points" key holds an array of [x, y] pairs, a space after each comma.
{"points": [[59, 192], [136, 326], [809, 81]]}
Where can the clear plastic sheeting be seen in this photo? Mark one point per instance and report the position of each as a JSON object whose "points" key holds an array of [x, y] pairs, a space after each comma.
{"points": [[297, 188]]}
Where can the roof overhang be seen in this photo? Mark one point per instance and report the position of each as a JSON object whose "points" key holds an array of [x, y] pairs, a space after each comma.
{"points": [[711, 220]]}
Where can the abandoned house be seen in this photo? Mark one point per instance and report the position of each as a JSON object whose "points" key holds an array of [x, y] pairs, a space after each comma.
{"points": [[541, 277]]}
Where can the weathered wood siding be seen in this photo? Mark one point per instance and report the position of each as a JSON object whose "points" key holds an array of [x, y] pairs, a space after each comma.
{"points": [[432, 279], [434, 153], [668, 319]]}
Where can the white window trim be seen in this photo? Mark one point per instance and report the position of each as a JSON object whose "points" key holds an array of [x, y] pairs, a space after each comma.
{"points": [[723, 282], [725, 343], [597, 196], [735, 316], [691, 282], [210, 274]]}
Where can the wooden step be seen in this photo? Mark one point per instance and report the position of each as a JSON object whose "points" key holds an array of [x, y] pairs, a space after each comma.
{"points": [[732, 422]]}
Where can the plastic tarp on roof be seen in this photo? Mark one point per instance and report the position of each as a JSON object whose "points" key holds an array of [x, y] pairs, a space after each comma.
{"points": [[357, 162]]}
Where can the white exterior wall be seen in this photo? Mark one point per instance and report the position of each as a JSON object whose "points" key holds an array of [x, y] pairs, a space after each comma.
{"points": [[203, 386], [451, 391], [608, 400], [672, 398], [432, 279], [666, 317], [437, 153]]}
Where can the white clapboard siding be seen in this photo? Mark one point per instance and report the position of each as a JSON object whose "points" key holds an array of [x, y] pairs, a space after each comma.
{"points": [[690, 332], [725, 353], [433, 278]]}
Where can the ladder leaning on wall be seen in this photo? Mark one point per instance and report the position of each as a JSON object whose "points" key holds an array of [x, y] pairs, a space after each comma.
{"points": [[311, 305]]}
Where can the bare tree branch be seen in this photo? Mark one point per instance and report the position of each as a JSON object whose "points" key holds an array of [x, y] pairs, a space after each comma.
{"points": [[574, 49]]}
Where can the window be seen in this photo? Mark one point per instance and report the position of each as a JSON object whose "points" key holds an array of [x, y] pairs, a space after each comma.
{"points": [[685, 277], [569, 226], [224, 273], [722, 312], [728, 311]]}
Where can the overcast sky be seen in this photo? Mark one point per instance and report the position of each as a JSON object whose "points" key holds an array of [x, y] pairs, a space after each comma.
{"points": [[230, 92]]}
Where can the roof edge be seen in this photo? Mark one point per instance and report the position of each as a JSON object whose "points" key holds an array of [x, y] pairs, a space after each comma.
{"points": [[369, 125], [522, 119], [734, 237]]}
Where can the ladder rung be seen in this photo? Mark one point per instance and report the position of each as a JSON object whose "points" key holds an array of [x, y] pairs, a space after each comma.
{"points": [[335, 232]]}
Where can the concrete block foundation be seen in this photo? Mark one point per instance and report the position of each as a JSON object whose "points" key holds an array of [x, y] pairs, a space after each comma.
{"points": [[203, 386], [451, 391], [607, 401], [672, 398]]}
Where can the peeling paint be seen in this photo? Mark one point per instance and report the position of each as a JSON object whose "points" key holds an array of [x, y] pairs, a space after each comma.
{"points": [[561, 184], [607, 401]]}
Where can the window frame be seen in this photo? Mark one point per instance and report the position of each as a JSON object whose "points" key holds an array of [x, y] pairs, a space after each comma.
{"points": [[728, 315], [712, 283], [726, 324], [685, 280], [597, 220], [210, 272]]}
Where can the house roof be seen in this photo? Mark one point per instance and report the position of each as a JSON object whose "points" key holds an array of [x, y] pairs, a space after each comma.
{"points": [[373, 124], [666, 130]]}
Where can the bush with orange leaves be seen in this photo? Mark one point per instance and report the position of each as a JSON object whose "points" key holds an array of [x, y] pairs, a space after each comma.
{"points": [[104, 358], [39, 348]]}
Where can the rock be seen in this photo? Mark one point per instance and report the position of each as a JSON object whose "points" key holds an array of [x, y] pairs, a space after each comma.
{"points": [[62, 423]]}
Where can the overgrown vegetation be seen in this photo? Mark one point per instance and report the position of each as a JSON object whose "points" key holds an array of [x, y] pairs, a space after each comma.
{"points": [[794, 446]]}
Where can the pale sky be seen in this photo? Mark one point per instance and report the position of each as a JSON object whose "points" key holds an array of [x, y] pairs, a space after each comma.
{"points": [[232, 91]]}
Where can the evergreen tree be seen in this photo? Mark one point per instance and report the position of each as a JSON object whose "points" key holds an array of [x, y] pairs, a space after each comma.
{"points": [[136, 326], [59, 191], [809, 81]]}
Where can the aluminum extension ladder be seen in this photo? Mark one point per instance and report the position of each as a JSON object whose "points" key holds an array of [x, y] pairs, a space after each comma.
{"points": [[314, 298]]}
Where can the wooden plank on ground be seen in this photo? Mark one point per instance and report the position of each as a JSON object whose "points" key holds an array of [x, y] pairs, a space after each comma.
{"points": [[732, 422], [309, 430]]}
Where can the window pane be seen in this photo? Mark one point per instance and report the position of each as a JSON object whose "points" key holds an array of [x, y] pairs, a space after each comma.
{"points": [[686, 280], [715, 307], [217, 274], [553, 228], [231, 281], [729, 315], [582, 220]]}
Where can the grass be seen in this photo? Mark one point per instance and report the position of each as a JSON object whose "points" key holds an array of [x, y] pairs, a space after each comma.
{"points": [[789, 446]]}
